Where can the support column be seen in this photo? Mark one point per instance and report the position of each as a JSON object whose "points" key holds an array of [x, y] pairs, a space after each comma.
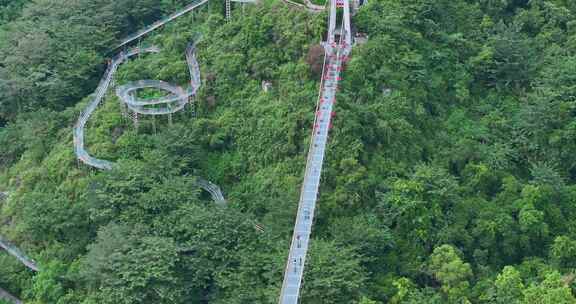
{"points": [[192, 103], [124, 110], [136, 120], [228, 10]]}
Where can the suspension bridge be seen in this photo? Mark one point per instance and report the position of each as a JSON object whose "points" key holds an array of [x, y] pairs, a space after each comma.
{"points": [[337, 48]]}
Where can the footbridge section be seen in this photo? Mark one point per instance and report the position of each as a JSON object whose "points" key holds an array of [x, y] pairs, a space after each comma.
{"points": [[171, 103], [175, 101], [337, 49], [6, 296], [156, 25], [99, 95], [14, 251]]}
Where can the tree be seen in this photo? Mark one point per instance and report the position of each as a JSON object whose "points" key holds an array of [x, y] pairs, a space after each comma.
{"points": [[509, 287], [49, 287], [334, 274], [563, 251], [126, 267], [508, 60], [408, 292], [552, 290], [365, 300], [315, 59], [450, 271], [367, 235]]}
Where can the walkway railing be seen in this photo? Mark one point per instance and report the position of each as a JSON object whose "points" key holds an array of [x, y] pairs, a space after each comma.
{"points": [[173, 102]]}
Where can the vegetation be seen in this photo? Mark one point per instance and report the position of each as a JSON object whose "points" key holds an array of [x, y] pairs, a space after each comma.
{"points": [[450, 176]]}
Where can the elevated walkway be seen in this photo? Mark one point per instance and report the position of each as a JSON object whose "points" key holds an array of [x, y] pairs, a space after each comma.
{"points": [[172, 103], [99, 95], [175, 102], [156, 25], [6, 296], [14, 251]]}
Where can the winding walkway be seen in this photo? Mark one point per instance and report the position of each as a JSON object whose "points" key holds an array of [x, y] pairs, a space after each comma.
{"points": [[156, 25], [173, 102], [14, 251], [309, 6], [99, 95], [4, 295], [169, 104]]}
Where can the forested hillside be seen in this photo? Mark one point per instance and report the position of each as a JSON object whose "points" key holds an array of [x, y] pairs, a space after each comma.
{"points": [[450, 174]]}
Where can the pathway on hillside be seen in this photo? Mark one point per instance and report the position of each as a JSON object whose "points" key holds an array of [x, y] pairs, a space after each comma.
{"points": [[4, 295], [309, 6], [173, 102], [14, 251], [99, 95], [336, 54], [156, 25]]}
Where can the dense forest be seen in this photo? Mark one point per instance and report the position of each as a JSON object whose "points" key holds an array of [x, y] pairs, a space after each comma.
{"points": [[450, 175]]}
